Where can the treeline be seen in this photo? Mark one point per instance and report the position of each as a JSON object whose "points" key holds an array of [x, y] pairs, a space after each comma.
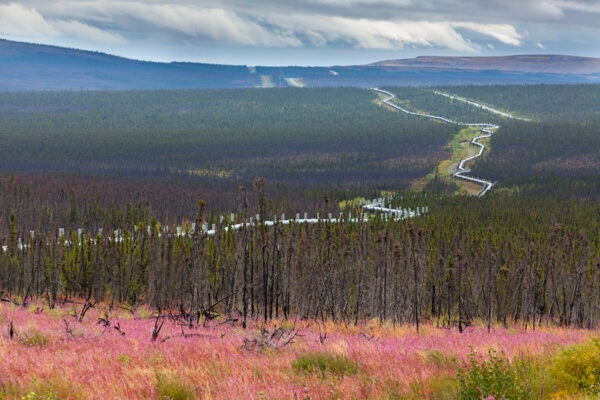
{"points": [[501, 259]]}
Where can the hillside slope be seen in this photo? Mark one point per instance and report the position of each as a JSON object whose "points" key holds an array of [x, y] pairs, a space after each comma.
{"points": [[550, 64], [32, 67]]}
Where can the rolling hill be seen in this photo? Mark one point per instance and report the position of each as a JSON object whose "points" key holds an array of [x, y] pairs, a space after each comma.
{"points": [[549, 64], [33, 67]]}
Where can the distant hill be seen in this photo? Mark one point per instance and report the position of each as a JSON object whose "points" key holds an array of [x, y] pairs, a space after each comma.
{"points": [[33, 67], [553, 64], [25, 66]]}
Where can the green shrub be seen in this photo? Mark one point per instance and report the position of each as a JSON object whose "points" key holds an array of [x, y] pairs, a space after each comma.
{"points": [[55, 388], [442, 387], [33, 337], [439, 359], [533, 369], [171, 387], [324, 363], [578, 367], [491, 377], [40, 396]]}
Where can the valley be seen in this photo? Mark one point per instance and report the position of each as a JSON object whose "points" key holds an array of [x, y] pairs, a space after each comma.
{"points": [[308, 199], [182, 221]]}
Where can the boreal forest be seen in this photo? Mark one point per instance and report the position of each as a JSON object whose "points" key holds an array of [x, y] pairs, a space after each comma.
{"points": [[307, 243], [108, 196]]}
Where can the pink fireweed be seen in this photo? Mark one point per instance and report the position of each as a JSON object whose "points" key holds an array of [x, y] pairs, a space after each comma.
{"points": [[111, 354]]}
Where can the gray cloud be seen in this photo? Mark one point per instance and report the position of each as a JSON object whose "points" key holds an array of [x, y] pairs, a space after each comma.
{"points": [[390, 34], [20, 21], [459, 26], [211, 23]]}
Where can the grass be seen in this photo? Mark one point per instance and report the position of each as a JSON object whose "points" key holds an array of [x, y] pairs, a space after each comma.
{"points": [[440, 359], [460, 148], [54, 388], [352, 204], [33, 337], [172, 387], [325, 364], [371, 360]]}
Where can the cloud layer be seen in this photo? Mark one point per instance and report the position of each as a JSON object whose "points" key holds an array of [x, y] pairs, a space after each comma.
{"points": [[20, 21], [458, 26]]}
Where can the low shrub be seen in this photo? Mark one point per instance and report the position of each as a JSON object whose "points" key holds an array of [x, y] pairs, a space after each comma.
{"points": [[325, 363], [51, 389], [577, 368], [33, 337], [493, 377], [441, 387], [40, 396], [439, 359], [171, 387]]}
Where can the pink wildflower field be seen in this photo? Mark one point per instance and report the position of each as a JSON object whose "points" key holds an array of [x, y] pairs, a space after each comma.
{"points": [[111, 355]]}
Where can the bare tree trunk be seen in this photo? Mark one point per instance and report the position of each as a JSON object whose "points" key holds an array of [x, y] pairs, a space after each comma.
{"points": [[413, 236], [459, 256]]}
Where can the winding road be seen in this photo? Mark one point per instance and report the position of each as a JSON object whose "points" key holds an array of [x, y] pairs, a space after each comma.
{"points": [[486, 130], [376, 205], [380, 205], [295, 82], [478, 105]]}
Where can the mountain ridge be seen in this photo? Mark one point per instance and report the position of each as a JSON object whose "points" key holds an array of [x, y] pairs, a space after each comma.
{"points": [[548, 63], [38, 67]]}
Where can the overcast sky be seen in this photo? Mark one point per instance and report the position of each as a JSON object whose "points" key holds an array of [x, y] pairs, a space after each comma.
{"points": [[306, 32]]}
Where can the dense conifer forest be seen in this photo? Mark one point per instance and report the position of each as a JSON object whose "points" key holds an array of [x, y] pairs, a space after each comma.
{"points": [[539, 102], [316, 136], [120, 172]]}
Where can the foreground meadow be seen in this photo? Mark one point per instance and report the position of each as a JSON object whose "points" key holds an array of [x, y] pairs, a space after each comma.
{"points": [[102, 353]]}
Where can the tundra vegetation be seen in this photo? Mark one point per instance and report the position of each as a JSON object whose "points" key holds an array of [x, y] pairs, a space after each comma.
{"points": [[110, 354], [377, 310]]}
